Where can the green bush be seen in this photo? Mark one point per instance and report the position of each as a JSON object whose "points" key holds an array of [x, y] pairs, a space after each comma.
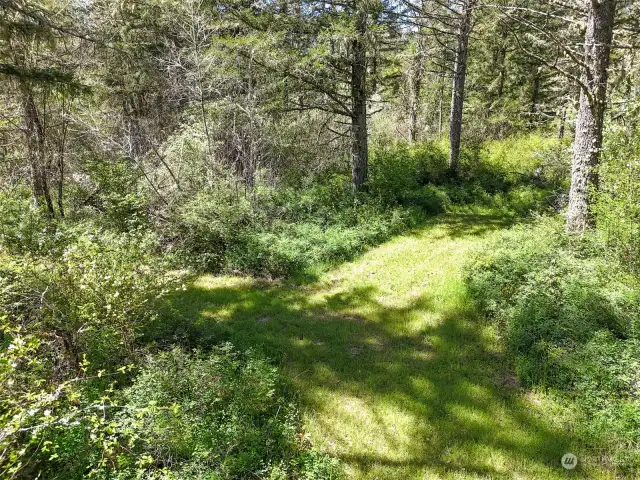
{"points": [[24, 228], [524, 158], [428, 198], [208, 227], [70, 324], [569, 318], [617, 207], [114, 196], [398, 171], [90, 298], [220, 415], [280, 232]]}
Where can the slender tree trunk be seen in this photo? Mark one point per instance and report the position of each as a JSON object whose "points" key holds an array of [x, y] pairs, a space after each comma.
{"points": [[414, 102], [61, 153], [535, 91], [593, 96], [441, 103], [502, 62], [414, 85], [498, 64], [359, 139], [459, 77], [630, 93], [195, 40], [35, 140], [251, 150], [563, 120]]}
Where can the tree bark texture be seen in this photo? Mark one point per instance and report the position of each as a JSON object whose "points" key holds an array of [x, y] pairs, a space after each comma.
{"points": [[593, 95], [35, 142], [359, 139], [457, 91], [414, 84]]}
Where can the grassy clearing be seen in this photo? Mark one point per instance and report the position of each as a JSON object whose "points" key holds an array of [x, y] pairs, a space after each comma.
{"points": [[403, 379]]}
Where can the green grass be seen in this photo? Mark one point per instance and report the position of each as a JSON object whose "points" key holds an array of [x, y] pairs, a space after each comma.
{"points": [[398, 376]]}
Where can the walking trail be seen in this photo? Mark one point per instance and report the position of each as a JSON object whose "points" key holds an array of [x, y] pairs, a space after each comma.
{"points": [[397, 373]]}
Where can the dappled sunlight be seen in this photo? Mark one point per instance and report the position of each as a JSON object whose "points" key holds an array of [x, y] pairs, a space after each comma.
{"points": [[397, 375]]}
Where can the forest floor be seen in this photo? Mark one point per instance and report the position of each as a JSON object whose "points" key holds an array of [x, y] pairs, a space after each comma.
{"points": [[398, 375]]}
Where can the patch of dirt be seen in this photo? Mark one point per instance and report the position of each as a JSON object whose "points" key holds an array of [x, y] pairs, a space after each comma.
{"points": [[350, 318], [354, 351], [509, 381]]}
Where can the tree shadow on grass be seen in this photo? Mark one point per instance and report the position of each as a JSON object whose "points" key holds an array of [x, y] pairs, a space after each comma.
{"points": [[391, 400], [470, 222]]}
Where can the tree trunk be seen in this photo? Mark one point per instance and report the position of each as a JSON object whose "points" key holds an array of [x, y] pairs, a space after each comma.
{"points": [[414, 85], [61, 154], [414, 101], [441, 102], [498, 64], [35, 141], [459, 77], [593, 96], [502, 62], [359, 138], [563, 120], [535, 91]]}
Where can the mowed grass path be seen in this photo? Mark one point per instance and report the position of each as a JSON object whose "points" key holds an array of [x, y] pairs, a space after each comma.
{"points": [[397, 374]]}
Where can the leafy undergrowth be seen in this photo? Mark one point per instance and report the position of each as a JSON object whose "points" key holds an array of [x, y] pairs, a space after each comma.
{"points": [[568, 312], [399, 377], [278, 232]]}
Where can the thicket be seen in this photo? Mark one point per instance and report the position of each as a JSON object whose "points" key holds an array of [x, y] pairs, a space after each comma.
{"points": [[280, 231], [568, 308], [84, 396]]}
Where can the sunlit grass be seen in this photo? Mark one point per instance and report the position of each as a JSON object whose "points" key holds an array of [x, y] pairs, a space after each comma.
{"points": [[397, 374]]}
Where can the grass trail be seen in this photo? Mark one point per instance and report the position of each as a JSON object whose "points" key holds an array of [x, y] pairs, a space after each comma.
{"points": [[403, 379]]}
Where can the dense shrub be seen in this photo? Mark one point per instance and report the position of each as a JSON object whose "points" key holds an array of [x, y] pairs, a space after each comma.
{"points": [[526, 158], [90, 298], [110, 192], [398, 170], [617, 206], [69, 313], [210, 225], [570, 321], [25, 228], [279, 232], [220, 415]]}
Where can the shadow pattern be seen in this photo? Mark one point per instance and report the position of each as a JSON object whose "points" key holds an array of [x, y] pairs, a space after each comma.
{"points": [[354, 359]]}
